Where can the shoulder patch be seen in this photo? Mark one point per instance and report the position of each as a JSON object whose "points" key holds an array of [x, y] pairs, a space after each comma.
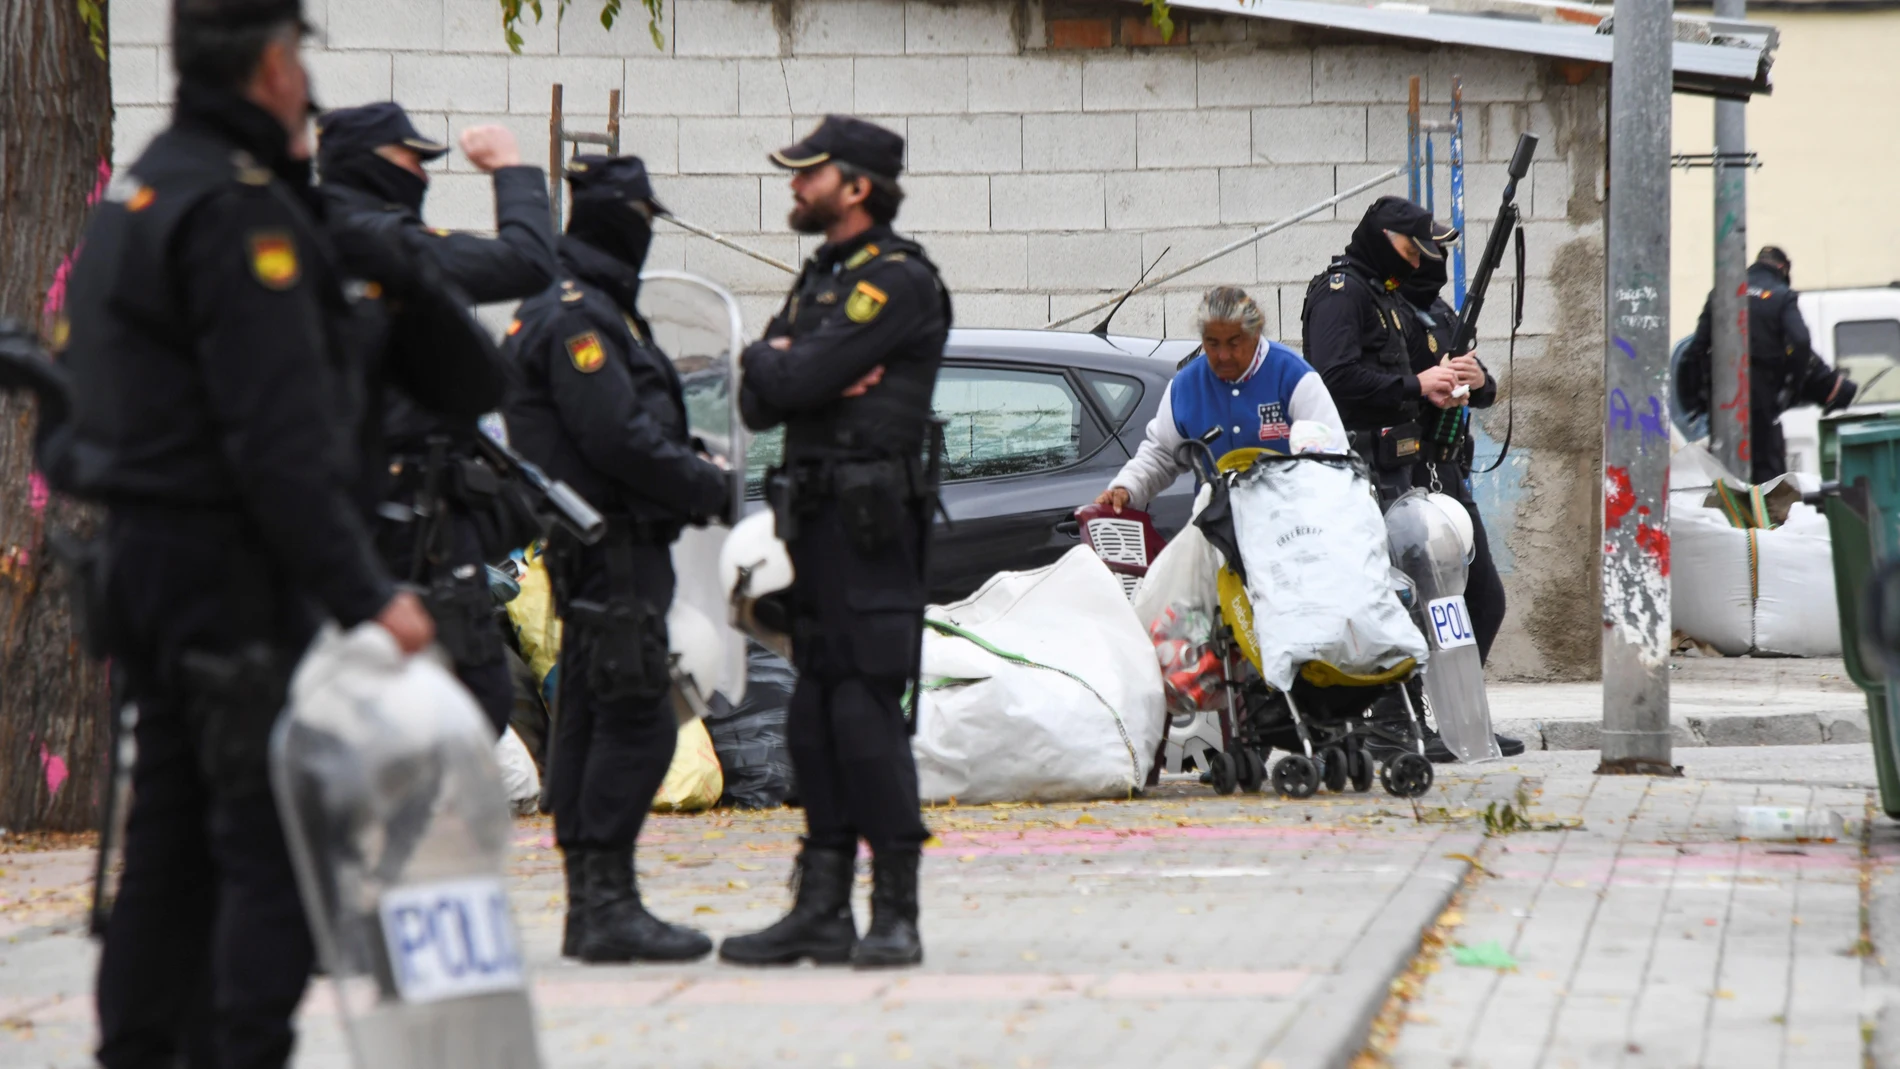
{"points": [[249, 171], [439, 231], [1338, 282], [861, 257], [585, 351], [897, 258], [274, 258], [141, 199], [865, 303], [514, 327], [1431, 342], [573, 297]]}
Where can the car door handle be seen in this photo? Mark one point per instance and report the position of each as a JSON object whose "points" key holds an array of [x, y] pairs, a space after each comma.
{"points": [[1072, 528]]}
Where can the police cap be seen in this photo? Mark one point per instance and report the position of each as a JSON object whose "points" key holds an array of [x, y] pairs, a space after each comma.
{"points": [[238, 14], [349, 131], [1773, 256], [1401, 216], [619, 177], [846, 139]]}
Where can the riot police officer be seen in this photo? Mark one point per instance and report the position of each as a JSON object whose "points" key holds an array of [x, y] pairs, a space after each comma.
{"points": [[600, 407], [1783, 369], [444, 513], [848, 366], [213, 416], [1353, 331]]}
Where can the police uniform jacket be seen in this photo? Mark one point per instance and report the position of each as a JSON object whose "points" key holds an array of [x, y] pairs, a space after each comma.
{"points": [[1783, 369], [1433, 331], [599, 405], [1353, 332], [209, 370], [871, 301]]}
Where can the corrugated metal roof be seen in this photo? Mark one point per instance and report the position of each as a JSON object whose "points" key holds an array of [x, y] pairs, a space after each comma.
{"points": [[1735, 65]]}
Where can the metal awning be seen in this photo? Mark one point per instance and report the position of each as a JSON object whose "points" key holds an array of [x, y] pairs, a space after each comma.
{"points": [[1734, 65]]}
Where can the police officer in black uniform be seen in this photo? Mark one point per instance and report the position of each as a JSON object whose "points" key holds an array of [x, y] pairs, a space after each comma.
{"points": [[1353, 331], [600, 407], [1783, 369], [848, 366], [214, 415], [443, 513]]}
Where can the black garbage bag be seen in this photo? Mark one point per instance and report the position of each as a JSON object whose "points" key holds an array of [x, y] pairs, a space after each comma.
{"points": [[750, 738]]}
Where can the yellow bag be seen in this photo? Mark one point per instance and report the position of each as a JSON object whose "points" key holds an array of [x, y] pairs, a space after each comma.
{"points": [[694, 780], [537, 629]]}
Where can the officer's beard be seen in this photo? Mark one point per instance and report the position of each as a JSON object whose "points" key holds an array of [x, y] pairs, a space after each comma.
{"points": [[613, 226], [817, 216]]}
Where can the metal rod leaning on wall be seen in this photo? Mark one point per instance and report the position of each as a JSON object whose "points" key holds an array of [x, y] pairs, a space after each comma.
{"points": [[1273, 228], [721, 239], [559, 135]]}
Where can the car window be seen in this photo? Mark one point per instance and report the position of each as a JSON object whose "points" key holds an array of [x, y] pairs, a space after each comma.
{"points": [[1004, 421], [1119, 394], [1864, 349]]}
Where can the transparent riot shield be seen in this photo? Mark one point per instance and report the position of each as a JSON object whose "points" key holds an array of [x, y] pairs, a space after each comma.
{"points": [[398, 828], [697, 324], [1426, 544]]}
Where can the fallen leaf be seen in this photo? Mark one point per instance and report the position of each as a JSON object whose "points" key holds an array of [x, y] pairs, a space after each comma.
{"points": [[1086, 819], [747, 866], [713, 835], [967, 857], [704, 909], [1030, 955], [738, 885]]}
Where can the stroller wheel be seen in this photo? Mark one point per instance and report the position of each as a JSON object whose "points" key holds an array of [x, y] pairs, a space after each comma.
{"points": [[1296, 776], [1359, 769], [1249, 769], [1407, 776], [1225, 776], [1332, 768]]}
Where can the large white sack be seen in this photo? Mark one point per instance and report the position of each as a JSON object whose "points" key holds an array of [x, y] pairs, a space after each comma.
{"points": [[1081, 720], [519, 777], [1710, 596], [1318, 573], [1795, 611]]}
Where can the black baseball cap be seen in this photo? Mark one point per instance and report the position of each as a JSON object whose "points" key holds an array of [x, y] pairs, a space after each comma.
{"points": [[619, 177], [1774, 256], [239, 14], [846, 139], [1401, 216], [347, 131]]}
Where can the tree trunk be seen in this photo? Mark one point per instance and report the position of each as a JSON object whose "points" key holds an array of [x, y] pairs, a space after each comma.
{"points": [[55, 151]]}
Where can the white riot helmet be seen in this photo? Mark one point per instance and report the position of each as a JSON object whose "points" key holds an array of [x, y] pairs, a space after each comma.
{"points": [[752, 565], [1460, 521]]}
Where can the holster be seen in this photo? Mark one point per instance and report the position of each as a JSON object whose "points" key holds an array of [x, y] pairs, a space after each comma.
{"points": [[1388, 448], [626, 637], [464, 612], [781, 495], [871, 497], [232, 701]]}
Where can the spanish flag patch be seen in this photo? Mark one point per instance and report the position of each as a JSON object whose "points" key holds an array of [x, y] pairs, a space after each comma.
{"points": [[274, 258], [514, 327], [864, 303], [585, 351]]}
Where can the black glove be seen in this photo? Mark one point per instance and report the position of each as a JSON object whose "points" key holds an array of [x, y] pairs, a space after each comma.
{"points": [[1843, 395]]}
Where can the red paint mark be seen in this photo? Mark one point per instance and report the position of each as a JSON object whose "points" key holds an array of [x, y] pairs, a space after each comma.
{"points": [[55, 770], [1655, 541], [1618, 497], [36, 493], [56, 293]]}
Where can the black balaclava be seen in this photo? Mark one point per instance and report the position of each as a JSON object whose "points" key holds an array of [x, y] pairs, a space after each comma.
{"points": [[1423, 285], [370, 173], [612, 224], [1373, 251]]}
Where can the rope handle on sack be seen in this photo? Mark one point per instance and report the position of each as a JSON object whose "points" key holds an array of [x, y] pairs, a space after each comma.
{"points": [[1121, 728]]}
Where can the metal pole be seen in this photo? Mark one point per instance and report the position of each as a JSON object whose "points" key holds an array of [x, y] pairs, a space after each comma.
{"points": [[1635, 551], [1411, 143], [1273, 228], [555, 174], [1729, 437], [721, 239], [1457, 168]]}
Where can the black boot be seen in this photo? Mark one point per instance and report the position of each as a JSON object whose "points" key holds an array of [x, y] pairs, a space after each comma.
{"points": [[576, 923], [893, 938], [618, 927], [819, 926]]}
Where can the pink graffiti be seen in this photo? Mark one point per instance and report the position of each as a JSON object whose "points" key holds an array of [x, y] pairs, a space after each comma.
{"points": [[55, 766], [56, 293], [36, 493]]}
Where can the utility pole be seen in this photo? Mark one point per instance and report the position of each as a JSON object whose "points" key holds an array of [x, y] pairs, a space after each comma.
{"points": [[1729, 437], [1636, 380]]}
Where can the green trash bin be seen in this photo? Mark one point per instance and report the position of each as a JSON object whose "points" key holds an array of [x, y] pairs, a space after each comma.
{"points": [[1863, 516]]}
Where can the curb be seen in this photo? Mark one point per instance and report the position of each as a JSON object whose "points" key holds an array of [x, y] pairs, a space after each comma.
{"points": [[1769, 729]]}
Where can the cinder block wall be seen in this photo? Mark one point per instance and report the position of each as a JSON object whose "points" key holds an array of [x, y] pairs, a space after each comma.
{"points": [[1056, 147]]}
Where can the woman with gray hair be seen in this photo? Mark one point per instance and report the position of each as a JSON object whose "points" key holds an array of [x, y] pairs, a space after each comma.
{"points": [[1247, 388]]}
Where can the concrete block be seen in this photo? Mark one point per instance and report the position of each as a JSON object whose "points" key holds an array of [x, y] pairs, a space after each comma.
{"points": [[1784, 729], [133, 127], [1139, 200], [1141, 317], [965, 144], [1079, 142], [1184, 246], [1083, 261], [756, 310], [630, 35], [146, 23], [531, 136], [1294, 255], [135, 75], [1348, 175], [981, 262], [1844, 727], [1024, 311], [1134, 83], [1311, 134], [460, 202], [794, 86], [848, 28], [724, 28], [1364, 74], [1486, 75], [1550, 184], [585, 83], [380, 24], [475, 26], [681, 87], [1219, 31], [451, 83], [1385, 137], [726, 203], [918, 85], [346, 79], [731, 146], [1205, 138], [1255, 78], [945, 202], [737, 271], [1026, 83], [1047, 202], [655, 141], [1263, 194], [963, 29]]}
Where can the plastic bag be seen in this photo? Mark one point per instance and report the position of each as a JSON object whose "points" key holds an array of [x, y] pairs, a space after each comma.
{"points": [[750, 738], [519, 778], [693, 781], [1178, 602]]}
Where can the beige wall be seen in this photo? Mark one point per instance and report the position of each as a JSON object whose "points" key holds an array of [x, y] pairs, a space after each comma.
{"points": [[1829, 140]]}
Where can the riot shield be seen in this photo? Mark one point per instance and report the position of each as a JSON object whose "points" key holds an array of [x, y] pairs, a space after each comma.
{"points": [[1426, 544], [398, 828], [696, 323]]}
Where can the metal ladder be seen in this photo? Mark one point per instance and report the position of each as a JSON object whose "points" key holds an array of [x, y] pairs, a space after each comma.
{"points": [[559, 135]]}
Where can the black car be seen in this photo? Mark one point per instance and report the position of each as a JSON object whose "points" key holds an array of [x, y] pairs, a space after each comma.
{"points": [[1036, 424]]}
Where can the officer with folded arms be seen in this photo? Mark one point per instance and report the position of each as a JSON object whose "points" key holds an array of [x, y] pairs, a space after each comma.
{"points": [[848, 367], [442, 511], [600, 407], [213, 415]]}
